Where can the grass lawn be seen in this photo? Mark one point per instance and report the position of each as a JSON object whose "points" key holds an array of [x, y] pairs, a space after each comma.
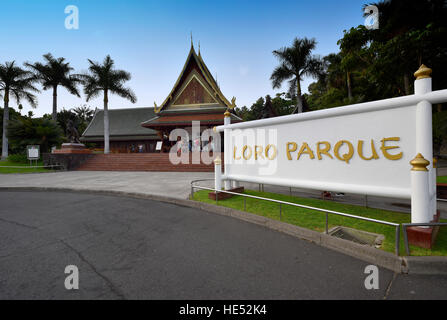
{"points": [[24, 167], [441, 179], [316, 220]]}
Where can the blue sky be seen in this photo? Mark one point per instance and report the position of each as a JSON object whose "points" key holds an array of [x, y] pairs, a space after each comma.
{"points": [[151, 39]]}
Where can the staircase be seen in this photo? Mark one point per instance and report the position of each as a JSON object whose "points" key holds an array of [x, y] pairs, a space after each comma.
{"points": [[141, 162]]}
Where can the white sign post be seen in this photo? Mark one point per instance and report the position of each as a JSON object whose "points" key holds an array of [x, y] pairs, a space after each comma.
{"points": [[362, 149], [33, 152]]}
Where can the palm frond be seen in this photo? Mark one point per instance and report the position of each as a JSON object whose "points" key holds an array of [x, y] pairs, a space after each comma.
{"points": [[103, 77], [280, 74], [18, 82]]}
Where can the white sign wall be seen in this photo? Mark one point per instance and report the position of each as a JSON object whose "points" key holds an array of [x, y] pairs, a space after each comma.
{"points": [[367, 152]]}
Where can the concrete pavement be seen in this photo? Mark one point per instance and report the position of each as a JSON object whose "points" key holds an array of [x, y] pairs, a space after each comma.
{"points": [[174, 185], [128, 248], [170, 184]]}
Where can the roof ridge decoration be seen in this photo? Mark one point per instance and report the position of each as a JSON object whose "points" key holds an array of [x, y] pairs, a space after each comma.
{"points": [[207, 76]]}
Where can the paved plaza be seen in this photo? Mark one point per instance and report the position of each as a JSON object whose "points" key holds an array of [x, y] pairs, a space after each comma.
{"points": [[174, 185], [126, 248]]}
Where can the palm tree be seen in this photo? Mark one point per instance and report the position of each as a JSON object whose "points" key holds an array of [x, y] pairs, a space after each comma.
{"points": [[295, 63], [84, 113], [19, 83], [83, 117], [103, 78], [53, 73]]}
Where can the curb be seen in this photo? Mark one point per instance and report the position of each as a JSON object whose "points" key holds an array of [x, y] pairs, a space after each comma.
{"points": [[407, 264], [432, 265]]}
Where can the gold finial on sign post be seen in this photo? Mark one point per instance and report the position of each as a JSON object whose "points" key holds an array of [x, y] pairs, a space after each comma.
{"points": [[419, 163], [217, 161], [423, 72]]}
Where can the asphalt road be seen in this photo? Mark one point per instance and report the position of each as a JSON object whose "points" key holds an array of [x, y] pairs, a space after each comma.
{"points": [[139, 249]]}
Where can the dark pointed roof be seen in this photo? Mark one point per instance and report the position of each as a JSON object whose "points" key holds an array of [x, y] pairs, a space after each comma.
{"points": [[195, 62]]}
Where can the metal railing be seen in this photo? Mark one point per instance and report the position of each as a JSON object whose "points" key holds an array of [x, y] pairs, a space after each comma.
{"points": [[327, 212], [406, 225]]}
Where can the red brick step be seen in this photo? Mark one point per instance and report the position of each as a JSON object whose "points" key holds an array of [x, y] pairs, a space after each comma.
{"points": [[141, 162]]}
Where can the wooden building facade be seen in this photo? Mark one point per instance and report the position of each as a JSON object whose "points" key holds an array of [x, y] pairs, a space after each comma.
{"points": [[195, 96]]}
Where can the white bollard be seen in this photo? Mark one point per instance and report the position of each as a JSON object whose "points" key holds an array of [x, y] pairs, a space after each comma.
{"points": [[217, 173], [420, 198], [424, 135], [227, 121]]}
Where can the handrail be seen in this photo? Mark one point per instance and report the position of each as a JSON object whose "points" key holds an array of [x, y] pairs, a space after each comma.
{"points": [[428, 224], [396, 225]]}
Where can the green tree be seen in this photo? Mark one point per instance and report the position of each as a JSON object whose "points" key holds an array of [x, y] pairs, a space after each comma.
{"points": [[25, 131], [53, 73], [19, 83], [283, 104], [63, 117], [410, 33], [353, 55], [268, 111], [103, 78], [256, 110], [84, 112], [296, 62], [84, 115]]}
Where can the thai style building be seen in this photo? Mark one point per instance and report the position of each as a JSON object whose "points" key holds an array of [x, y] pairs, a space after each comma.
{"points": [[195, 96], [126, 132]]}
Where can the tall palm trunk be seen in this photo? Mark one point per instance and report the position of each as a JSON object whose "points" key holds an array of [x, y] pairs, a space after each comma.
{"points": [[299, 99], [54, 115], [5, 126], [106, 123], [348, 84]]}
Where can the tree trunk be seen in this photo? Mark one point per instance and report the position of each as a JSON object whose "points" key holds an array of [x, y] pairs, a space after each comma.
{"points": [[106, 123], [5, 126], [299, 99], [54, 116], [407, 84], [348, 83]]}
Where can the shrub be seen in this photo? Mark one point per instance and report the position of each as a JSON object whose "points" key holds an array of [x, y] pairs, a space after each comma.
{"points": [[34, 131], [18, 158]]}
